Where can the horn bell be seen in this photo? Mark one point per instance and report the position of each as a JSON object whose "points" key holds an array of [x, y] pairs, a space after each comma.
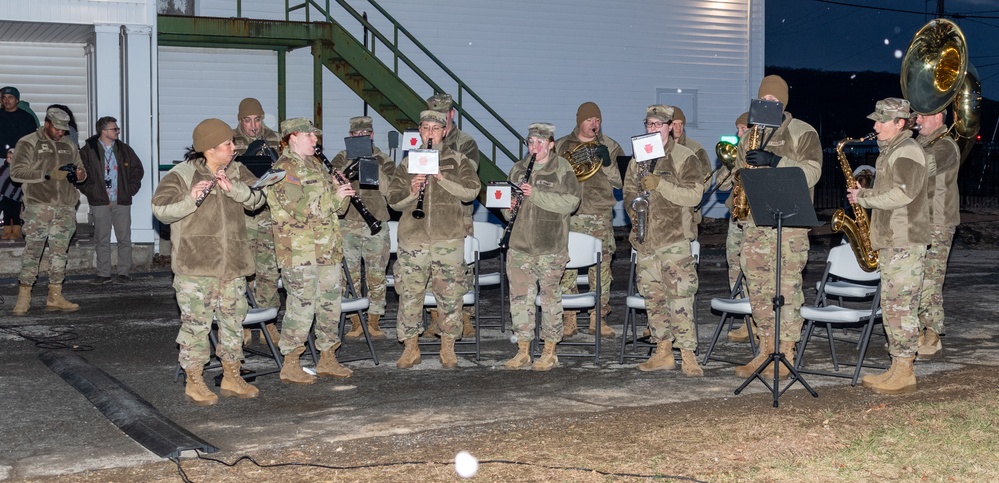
{"points": [[934, 66], [967, 105]]}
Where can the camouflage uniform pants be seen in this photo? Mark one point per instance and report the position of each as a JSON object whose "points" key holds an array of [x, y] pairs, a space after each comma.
{"points": [[733, 248], [525, 274], [446, 261], [602, 228], [759, 249], [667, 278], [55, 224], [313, 293], [901, 280], [200, 300], [931, 311], [260, 235], [360, 245]]}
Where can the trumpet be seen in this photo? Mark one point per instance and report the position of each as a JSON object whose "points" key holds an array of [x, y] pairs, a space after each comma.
{"points": [[374, 224], [418, 213], [207, 191]]}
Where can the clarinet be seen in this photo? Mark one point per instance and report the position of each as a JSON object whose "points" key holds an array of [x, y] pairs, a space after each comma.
{"points": [[205, 192], [505, 241], [418, 213], [374, 224]]}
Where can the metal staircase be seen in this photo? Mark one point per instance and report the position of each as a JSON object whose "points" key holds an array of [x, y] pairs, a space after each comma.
{"points": [[356, 64]]}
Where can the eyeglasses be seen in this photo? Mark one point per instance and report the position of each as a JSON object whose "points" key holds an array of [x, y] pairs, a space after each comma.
{"points": [[655, 124], [115, 129], [434, 129], [360, 133]]}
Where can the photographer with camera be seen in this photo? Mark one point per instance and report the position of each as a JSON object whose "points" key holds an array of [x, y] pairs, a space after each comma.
{"points": [[48, 166]]}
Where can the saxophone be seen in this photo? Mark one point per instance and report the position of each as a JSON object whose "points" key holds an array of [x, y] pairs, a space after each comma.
{"points": [[857, 230], [740, 205], [640, 205]]}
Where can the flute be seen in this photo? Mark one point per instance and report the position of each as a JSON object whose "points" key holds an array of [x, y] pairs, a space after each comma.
{"points": [[207, 191]]}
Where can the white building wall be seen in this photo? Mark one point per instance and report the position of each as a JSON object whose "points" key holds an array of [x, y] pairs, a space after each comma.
{"points": [[531, 61]]}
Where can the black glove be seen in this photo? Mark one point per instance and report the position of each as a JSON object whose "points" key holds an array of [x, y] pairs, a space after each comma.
{"points": [[603, 153], [758, 157]]}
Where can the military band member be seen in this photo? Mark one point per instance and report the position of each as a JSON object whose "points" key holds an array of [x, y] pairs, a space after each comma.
{"points": [[432, 243], [943, 154], [538, 249], [680, 134], [210, 256], [666, 272], [304, 206], [259, 225], [733, 239], [899, 232], [593, 217], [461, 142], [359, 245], [794, 144]]}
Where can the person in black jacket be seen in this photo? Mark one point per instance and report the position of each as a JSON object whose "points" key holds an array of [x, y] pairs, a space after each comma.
{"points": [[114, 175]]}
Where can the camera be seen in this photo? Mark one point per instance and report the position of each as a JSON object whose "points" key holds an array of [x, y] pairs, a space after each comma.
{"points": [[70, 170]]}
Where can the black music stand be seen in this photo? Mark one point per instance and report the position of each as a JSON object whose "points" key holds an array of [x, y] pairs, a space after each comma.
{"points": [[778, 197]]}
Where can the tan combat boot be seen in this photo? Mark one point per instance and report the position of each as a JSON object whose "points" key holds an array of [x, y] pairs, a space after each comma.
{"points": [[871, 380], [689, 364], [432, 330], [374, 331], [292, 370], [548, 358], [569, 328], [448, 359], [739, 335], [8, 233], [411, 355], [605, 330], [901, 381], [23, 300], [766, 345], [786, 348], [661, 360], [272, 331], [356, 331], [930, 346], [467, 329], [17, 234], [329, 366], [233, 383], [55, 301], [195, 389], [523, 358]]}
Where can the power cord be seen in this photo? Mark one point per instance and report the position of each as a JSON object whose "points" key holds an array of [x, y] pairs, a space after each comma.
{"points": [[186, 479], [62, 338]]}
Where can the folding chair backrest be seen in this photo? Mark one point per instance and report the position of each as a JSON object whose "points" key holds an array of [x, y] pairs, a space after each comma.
{"points": [[393, 227], [695, 251], [488, 234], [584, 250], [471, 249], [843, 264]]}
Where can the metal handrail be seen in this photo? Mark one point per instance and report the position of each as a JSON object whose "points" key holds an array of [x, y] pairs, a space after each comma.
{"points": [[393, 45]]}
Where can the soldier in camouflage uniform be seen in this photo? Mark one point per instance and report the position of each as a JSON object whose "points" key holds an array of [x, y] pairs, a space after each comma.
{"points": [[794, 144], [359, 245], [50, 200], [210, 256], [899, 232], [680, 135], [666, 273], [305, 205], [733, 239], [538, 249], [433, 243], [943, 159], [593, 217], [466, 145], [259, 226]]}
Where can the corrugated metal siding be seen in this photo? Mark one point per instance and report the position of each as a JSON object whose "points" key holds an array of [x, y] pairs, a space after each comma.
{"points": [[80, 11], [49, 74]]}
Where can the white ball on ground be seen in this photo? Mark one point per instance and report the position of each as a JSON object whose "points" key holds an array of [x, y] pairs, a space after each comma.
{"points": [[465, 464], [513, 339]]}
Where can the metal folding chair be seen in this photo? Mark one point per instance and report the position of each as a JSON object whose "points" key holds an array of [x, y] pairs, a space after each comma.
{"points": [[584, 252], [489, 236], [735, 306]]}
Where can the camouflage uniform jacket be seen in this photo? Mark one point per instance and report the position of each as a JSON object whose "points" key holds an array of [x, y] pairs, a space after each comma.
{"points": [[210, 240], [797, 143], [36, 155], [243, 141], [542, 226], [598, 191], [372, 197], [442, 202], [669, 219], [305, 208], [462, 143], [900, 212], [943, 160]]}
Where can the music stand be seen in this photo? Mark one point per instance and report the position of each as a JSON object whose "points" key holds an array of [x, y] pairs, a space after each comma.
{"points": [[778, 197]]}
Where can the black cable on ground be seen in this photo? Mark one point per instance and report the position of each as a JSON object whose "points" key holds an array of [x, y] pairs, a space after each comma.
{"points": [[183, 475], [61, 340]]}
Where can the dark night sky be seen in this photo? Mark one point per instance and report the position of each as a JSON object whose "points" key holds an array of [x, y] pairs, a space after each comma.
{"points": [[859, 35]]}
